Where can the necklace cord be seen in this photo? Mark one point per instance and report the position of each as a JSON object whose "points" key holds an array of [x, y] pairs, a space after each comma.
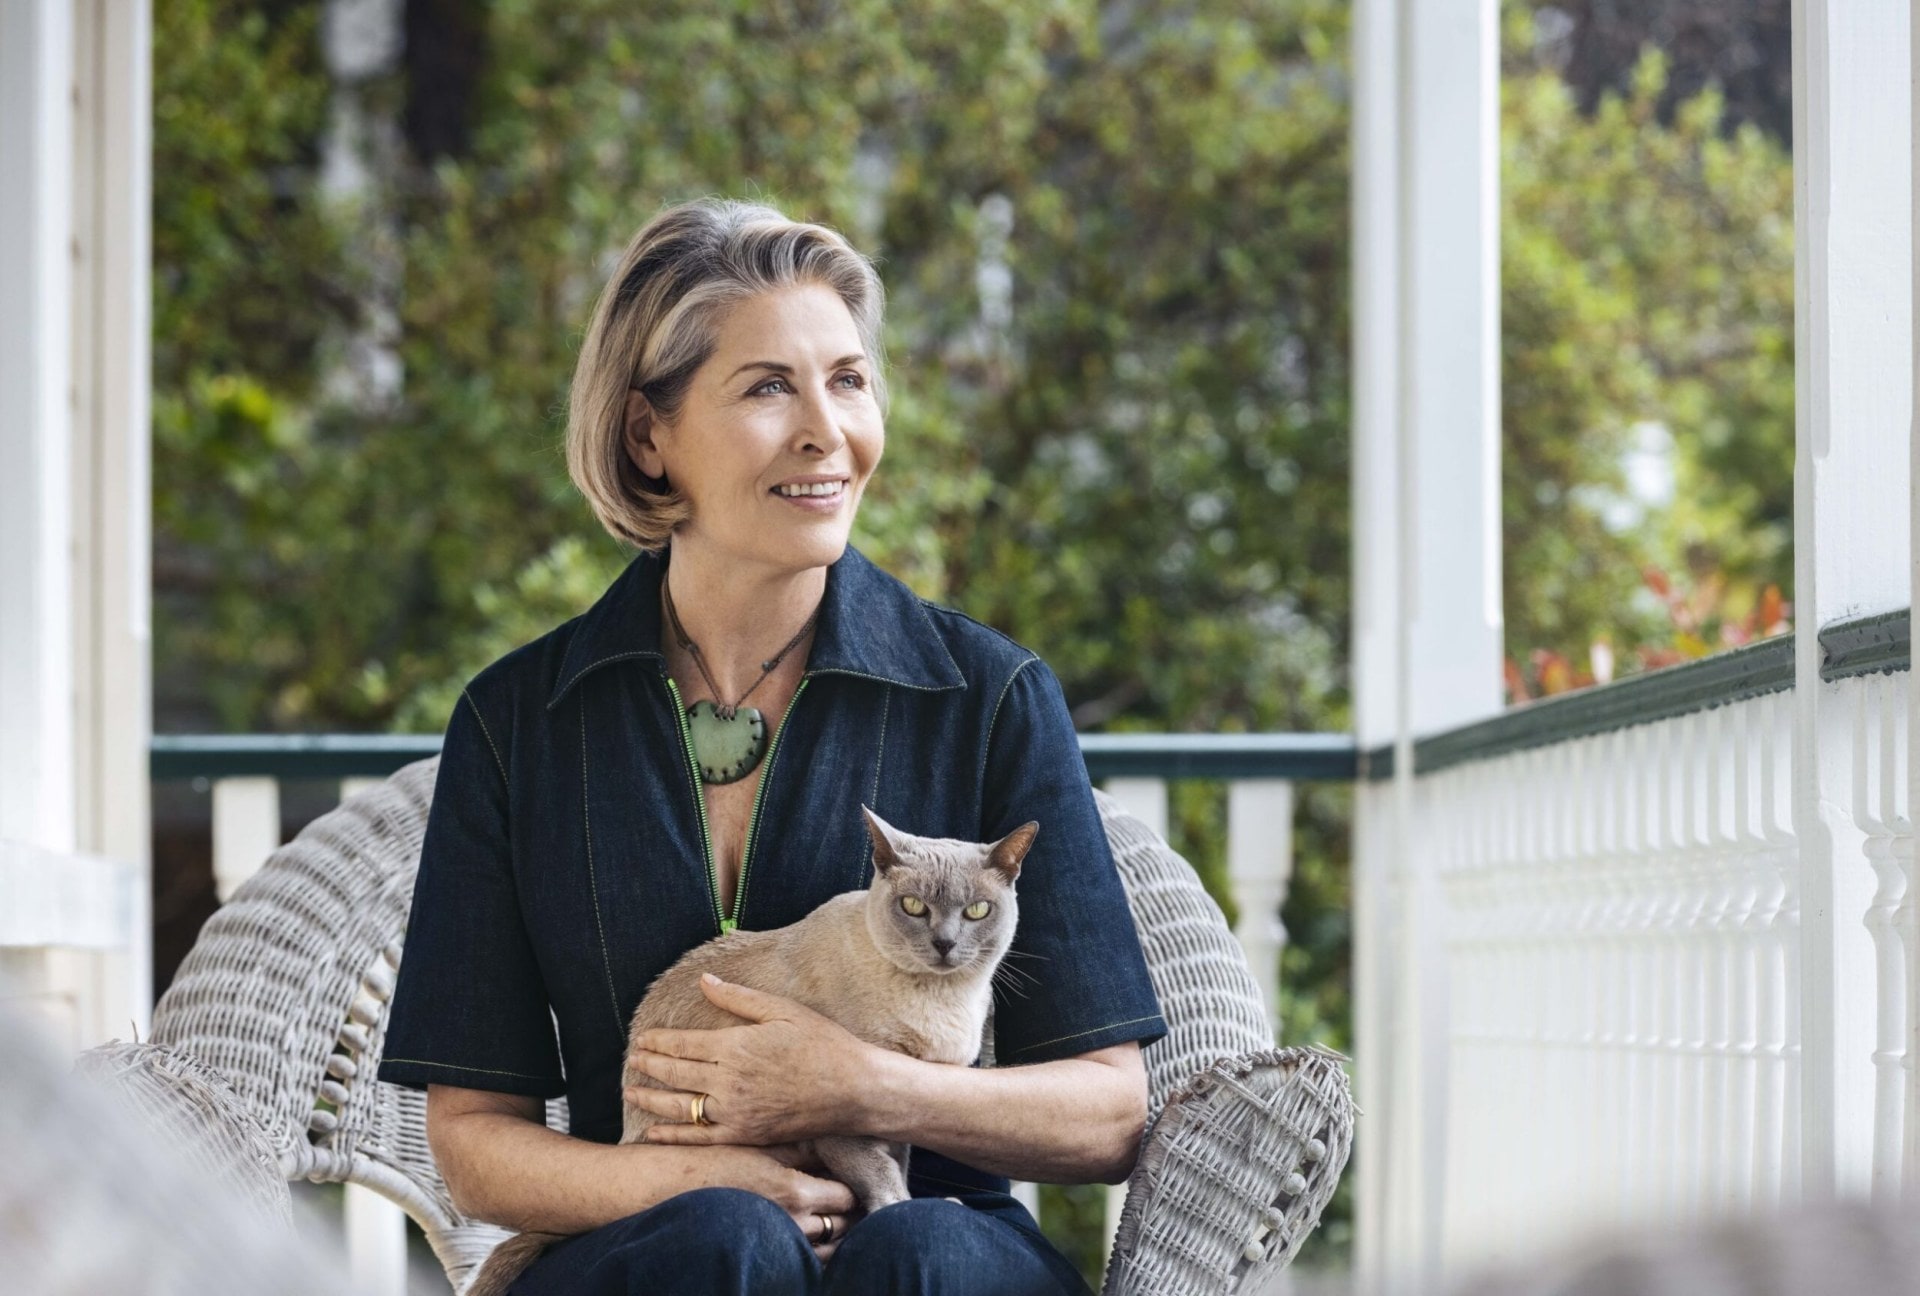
{"points": [[726, 710]]}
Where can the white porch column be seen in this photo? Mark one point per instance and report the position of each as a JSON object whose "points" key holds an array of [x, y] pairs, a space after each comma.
{"points": [[1376, 525], [1911, 1186], [1853, 205], [1428, 618], [74, 678]]}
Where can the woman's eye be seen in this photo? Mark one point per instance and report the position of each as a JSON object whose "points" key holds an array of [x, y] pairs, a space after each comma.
{"points": [[913, 905], [859, 380], [762, 388], [978, 909]]}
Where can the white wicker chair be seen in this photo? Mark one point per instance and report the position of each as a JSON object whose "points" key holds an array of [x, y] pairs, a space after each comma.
{"points": [[93, 1178], [285, 996]]}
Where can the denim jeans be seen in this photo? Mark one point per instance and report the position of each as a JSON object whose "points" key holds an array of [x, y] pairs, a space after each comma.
{"points": [[730, 1242]]}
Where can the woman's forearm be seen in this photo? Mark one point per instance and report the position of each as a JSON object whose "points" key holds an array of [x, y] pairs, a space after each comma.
{"points": [[505, 1169], [1077, 1120]]}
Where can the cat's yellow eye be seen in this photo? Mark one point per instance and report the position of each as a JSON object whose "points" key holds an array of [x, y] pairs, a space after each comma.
{"points": [[978, 909], [914, 905]]}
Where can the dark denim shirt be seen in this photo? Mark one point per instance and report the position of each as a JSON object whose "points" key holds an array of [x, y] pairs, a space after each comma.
{"points": [[566, 862]]}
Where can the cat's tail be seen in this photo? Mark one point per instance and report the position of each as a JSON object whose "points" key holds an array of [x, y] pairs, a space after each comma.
{"points": [[509, 1260]]}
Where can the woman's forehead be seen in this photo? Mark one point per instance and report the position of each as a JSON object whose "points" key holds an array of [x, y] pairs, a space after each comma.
{"points": [[805, 324]]}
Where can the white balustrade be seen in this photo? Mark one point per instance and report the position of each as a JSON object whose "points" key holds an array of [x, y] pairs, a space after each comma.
{"points": [[246, 829], [1590, 889], [1883, 814], [1144, 798], [1623, 952], [1259, 869]]}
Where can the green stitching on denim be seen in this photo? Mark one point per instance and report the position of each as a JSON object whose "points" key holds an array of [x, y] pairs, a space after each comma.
{"points": [[924, 605], [455, 1066], [640, 652], [882, 679], [1061, 1039], [942, 607], [886, 705], [488, 734], [593, 884]]}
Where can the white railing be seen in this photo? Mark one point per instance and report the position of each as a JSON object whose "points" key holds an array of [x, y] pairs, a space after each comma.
{"points": [[1606, 944], [247, 829]]}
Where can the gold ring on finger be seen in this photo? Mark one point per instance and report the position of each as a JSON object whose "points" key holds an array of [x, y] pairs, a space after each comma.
{"points": [[700, 1110], [826, 1229]]}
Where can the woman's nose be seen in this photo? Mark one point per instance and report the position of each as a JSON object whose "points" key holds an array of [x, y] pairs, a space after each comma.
{"points": [[819, 423]]}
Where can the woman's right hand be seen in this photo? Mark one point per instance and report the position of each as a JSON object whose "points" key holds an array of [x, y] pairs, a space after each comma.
{"points": [[786, 1179]]}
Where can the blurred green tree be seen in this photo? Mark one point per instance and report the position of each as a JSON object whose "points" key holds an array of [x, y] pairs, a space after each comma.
{"points": [[1647, 286]]}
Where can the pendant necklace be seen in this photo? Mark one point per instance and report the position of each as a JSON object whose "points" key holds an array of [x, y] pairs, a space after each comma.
{"points": [[728, 740]]}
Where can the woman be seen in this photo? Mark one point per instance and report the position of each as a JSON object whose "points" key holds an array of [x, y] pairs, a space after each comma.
{"points": [[726, 416]]}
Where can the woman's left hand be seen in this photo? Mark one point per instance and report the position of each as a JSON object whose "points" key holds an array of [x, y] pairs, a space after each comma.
{"points": [[788, 1074]]}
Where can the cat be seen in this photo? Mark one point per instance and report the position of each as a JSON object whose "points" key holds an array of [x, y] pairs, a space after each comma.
{"points": [[907, 964]]}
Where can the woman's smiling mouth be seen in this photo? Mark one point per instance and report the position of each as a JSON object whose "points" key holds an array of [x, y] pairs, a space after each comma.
{"points": [[815, 496]]}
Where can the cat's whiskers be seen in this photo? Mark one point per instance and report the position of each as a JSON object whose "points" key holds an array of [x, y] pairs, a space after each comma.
{"points": [[1014, 979]]}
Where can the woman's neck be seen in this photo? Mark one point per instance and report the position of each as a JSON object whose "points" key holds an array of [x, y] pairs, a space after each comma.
{"points": [[740, 614]]}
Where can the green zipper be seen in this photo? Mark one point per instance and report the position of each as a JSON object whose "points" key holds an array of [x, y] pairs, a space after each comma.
{"points": [[699, 800], [759, 795], [700, 804]]}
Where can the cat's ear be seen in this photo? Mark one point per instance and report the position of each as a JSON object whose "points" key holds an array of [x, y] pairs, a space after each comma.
{"points": [[1007, 853], [886, 841]]}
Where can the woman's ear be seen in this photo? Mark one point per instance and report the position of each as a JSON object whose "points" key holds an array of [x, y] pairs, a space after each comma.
{"points": [[637, 435]]}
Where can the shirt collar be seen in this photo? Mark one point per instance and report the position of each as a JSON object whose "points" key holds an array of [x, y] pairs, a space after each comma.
{"points": [[871, 625]]}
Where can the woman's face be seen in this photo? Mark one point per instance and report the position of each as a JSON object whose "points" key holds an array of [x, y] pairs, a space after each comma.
{"points": [[785, 400]]}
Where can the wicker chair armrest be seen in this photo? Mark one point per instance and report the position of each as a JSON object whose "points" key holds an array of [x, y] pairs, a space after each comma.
{"points": [[1234, 1174], [195, 1115]]}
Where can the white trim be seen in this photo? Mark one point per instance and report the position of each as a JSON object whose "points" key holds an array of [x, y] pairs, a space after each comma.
{"points": [[1853, 337], [1427, 564], [36, 220], [74, 483], [1376, 641], [53, 899], [1911, 913]]}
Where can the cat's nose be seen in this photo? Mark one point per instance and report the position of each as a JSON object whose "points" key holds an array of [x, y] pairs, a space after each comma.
{"points": [[943, 947]]}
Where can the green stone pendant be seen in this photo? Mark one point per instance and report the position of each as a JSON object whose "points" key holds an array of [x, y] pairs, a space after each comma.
{"points": [[728, 750]]}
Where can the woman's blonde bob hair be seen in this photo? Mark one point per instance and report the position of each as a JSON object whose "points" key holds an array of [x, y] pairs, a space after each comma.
{"points": [[658, 320]]}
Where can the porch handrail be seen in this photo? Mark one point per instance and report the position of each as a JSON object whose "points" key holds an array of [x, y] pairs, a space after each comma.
{"points": [[1859, 646], [1300, 757]]}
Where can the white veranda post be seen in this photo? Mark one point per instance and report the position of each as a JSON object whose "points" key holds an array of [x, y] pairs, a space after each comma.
{"points": [[1853, 338], [1911, 1052], [1428, 621], [74, 679]]}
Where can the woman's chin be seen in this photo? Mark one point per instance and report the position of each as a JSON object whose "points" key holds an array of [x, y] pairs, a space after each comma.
{"points": [[813, 543]]}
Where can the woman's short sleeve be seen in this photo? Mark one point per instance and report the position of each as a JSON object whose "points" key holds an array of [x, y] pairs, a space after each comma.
{"points": [[470, 1008], [1080, 981]]}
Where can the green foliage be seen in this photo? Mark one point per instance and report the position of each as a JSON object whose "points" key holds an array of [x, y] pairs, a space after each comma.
{"points": [[1647, 278]]}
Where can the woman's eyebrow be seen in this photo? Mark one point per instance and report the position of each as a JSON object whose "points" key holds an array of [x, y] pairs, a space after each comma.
{"points": [[778, 367]]}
